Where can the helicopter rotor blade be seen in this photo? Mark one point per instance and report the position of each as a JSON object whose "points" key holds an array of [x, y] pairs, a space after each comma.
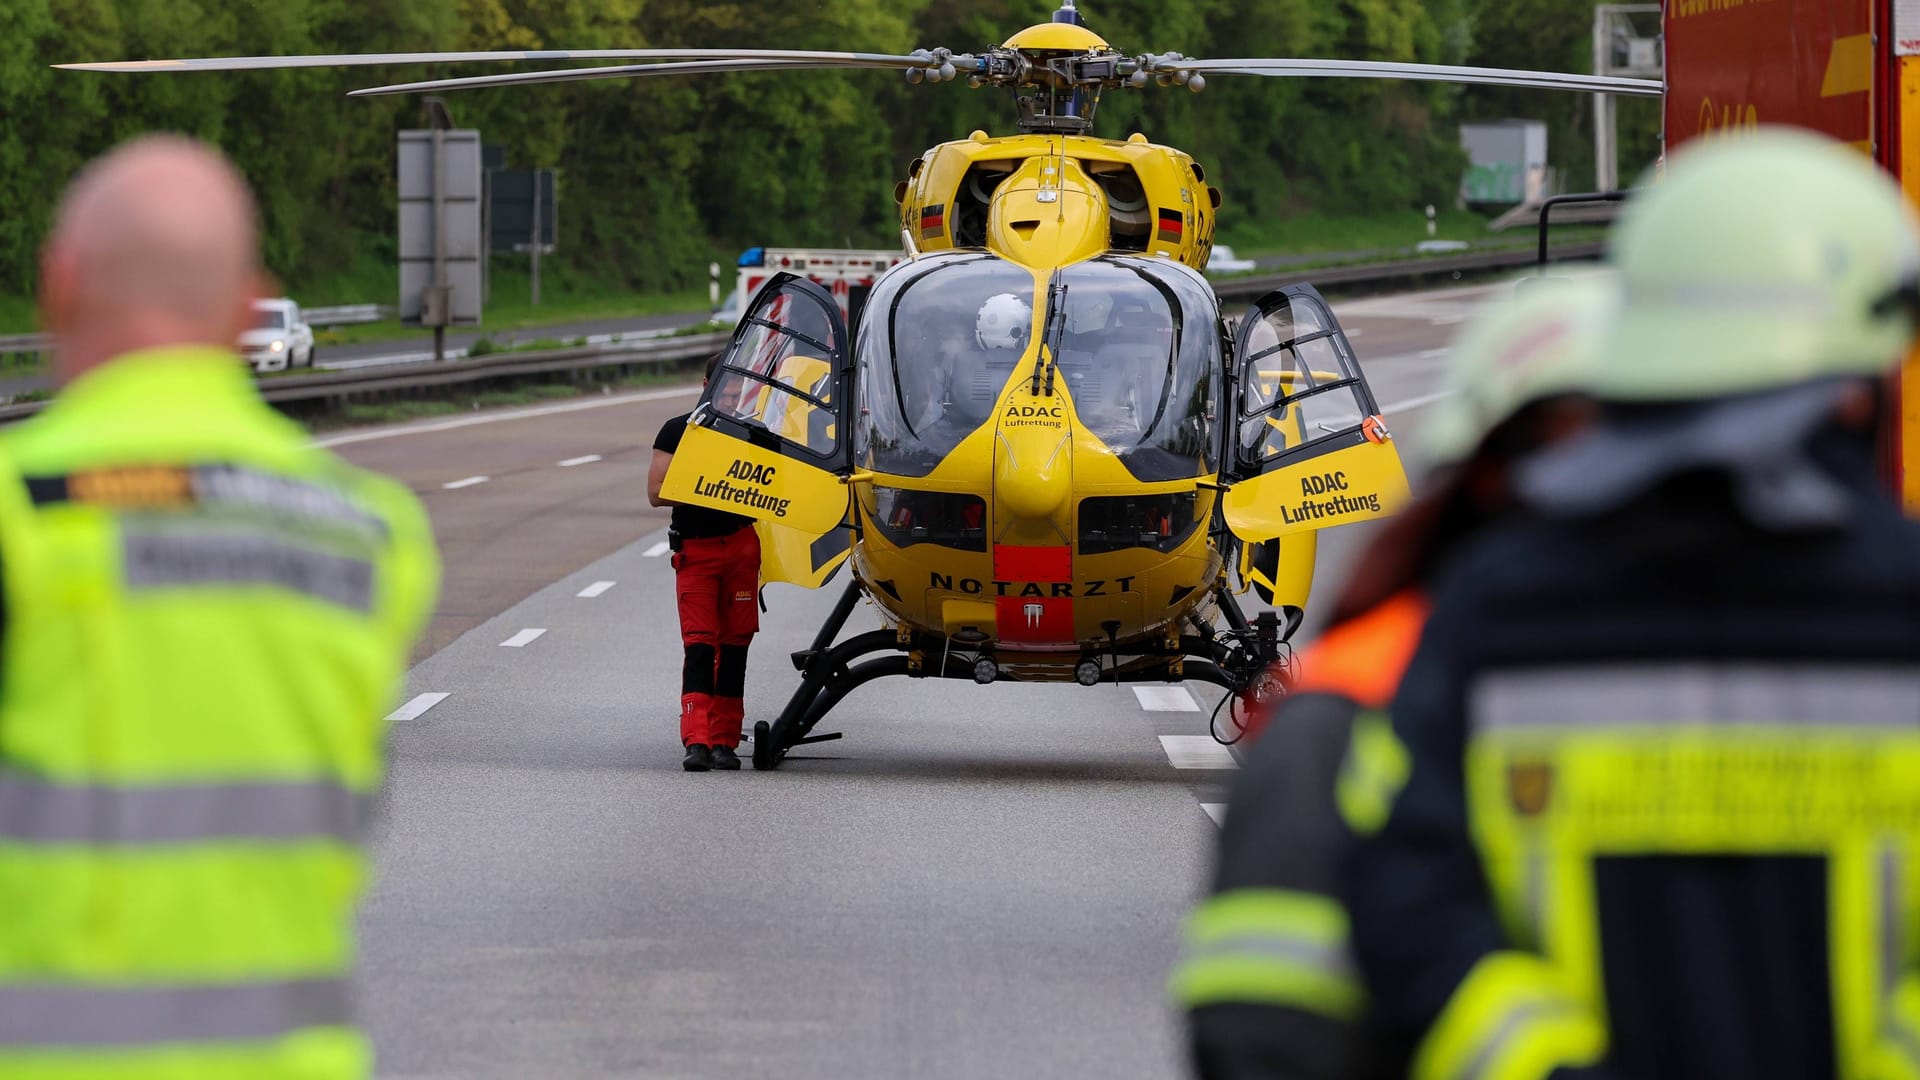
{"points": [[639, 71], [269, 63], [1384, 69]]}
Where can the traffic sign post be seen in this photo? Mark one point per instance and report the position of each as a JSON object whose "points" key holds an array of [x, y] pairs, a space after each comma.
{"points": [[524, 211], [439, 226]]}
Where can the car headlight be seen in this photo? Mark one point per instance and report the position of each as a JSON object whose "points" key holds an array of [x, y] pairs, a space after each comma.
{"points": [[278, 346]]}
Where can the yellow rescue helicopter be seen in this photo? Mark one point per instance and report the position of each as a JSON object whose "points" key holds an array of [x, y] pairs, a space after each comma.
{"points": [[1045, 453]]}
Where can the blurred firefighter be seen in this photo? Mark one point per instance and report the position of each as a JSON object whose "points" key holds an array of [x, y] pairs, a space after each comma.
{"points": [[1649, 803], [1267, 978], [716, 566], [205, 619]]}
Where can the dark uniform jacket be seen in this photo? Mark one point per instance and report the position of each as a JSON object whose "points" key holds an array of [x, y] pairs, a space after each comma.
{"points": [[1251, 1016], [1728, 717]]}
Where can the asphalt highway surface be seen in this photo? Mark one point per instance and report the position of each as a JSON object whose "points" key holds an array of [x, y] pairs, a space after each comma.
{"points": [[977, 881]]}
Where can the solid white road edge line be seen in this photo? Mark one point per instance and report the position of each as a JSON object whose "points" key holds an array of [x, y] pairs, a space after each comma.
{"points": [[1166, 699], [504, 416], [1197, 752], [595, 589], [467, 483], [572, 461], [658, 550], [522, 639], [412, 709]]}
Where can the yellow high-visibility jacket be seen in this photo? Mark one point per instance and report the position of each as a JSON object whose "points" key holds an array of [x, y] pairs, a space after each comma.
{"points": [[205, 621]]}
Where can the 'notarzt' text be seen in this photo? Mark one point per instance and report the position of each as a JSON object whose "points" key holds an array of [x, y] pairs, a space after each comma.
{"points": [[1059, 589]]}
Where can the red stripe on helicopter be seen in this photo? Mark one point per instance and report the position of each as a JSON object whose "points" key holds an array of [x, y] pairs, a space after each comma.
{"points": [[933, 218], [1172, 225], [1034, 615], [1023, 564]]}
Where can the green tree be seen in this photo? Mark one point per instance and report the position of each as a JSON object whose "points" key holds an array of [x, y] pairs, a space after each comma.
{"points": [[659, 176]]}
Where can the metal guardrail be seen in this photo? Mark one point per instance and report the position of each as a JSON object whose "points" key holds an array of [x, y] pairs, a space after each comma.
{"points": [[348, 314], [345, 384], [1255, 286], [344, 315]]}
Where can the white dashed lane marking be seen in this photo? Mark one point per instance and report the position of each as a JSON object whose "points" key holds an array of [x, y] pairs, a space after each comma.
{"points": [[412, 709], [1166, 699], [594, 590], [572, 461], [522, 639], [657, 550], [1420, 402], [1216, 810], [1197, 752], [456, 485]]}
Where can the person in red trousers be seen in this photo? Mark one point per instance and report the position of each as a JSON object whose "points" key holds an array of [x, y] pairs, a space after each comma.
{"points": [[716, 563]]}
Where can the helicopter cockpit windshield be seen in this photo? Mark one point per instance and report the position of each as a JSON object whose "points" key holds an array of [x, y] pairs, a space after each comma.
{"points": [[1138, 350], [938, 340], [1138, 353]]}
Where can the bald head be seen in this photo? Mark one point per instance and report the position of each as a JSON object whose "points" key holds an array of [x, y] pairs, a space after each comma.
{"points": [[155, 244]]}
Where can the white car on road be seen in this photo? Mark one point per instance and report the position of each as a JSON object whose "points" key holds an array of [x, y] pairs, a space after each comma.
{"points": [[1222, 261], [280, 339]]}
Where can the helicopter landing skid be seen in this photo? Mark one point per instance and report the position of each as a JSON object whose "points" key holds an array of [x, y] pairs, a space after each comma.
{"points": [[1232, 659]]}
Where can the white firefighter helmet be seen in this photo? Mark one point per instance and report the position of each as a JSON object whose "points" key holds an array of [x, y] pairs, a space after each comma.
{"points": [[1004, 322]]}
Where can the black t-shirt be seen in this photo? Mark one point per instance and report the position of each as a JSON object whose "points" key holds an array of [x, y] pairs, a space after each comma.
{"points": [[695, 521]]}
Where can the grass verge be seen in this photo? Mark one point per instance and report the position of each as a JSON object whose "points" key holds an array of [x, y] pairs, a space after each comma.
{"points": [[564, 298]]}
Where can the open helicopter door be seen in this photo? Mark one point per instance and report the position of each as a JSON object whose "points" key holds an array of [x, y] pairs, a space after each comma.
{"points": [[769, 438], [1310, 449]]}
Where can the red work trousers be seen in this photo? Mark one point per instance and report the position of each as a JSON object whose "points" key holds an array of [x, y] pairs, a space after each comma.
{"points": [[718, 583]]}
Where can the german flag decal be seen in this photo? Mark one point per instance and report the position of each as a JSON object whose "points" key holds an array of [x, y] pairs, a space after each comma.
{"points": [[1172, 225], [933, 220]]}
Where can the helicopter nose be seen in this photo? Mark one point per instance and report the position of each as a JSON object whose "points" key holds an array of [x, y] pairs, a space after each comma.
{"points": [[1032, 461]]}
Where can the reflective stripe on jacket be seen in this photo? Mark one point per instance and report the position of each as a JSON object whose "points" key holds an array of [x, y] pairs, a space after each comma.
{"points": [[206, 619]]}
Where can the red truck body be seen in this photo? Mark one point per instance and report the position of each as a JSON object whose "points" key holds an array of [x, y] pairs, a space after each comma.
{"points": [[1849, 68]]}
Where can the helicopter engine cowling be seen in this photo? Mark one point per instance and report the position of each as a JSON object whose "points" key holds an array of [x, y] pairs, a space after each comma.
{"points": [[1048, 213]]}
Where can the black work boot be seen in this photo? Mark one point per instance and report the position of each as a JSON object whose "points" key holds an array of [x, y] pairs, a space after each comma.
{"points": [[700, 759], [725, 758]]}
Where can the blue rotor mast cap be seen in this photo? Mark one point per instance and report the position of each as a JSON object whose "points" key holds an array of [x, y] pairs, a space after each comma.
{"points": [[1068, 14]]}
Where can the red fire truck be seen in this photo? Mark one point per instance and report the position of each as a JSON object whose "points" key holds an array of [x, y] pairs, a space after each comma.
{"points": [[848, 274], [1849, 68]]}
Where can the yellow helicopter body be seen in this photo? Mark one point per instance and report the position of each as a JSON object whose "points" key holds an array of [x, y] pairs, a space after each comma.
{"points": [[1060, 510]]}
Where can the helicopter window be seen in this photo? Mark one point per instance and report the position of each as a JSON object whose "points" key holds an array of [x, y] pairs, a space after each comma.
{"points": [[1300, 384], [1139, 354], [1124, 522], [939, 340], [779, 376], [908, 517]]}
